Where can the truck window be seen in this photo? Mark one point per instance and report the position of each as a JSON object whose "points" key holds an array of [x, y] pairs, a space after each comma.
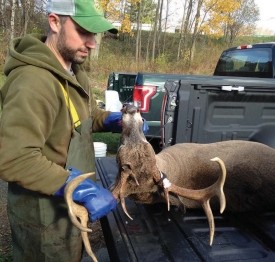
{"points": [[253, 62]]}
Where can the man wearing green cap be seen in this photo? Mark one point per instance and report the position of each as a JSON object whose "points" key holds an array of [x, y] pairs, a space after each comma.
{"points": [[45, 133]]}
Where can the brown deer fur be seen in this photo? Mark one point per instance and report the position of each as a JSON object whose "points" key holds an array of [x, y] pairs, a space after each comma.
{"points": [[248, 168], [250, 182]]}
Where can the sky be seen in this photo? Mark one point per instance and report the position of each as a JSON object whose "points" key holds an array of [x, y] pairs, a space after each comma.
{"points": [[266, 24], [267, 15]]}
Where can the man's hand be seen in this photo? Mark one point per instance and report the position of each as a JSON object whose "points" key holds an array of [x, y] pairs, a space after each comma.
{"points": [[97, 200], [113, 122]]}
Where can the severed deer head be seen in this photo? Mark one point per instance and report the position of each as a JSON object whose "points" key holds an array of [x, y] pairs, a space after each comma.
{"points": [[147, 177], [141, 179], [184, 175]]}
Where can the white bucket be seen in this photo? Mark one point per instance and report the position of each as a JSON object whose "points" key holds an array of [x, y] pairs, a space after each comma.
{"points": [[100, 149]]}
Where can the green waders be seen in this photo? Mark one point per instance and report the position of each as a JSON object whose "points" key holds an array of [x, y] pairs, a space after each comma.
{"points": [[40, 226]]}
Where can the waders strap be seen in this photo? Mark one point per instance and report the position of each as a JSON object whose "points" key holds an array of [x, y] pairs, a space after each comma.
{"points": [[71, 108]]}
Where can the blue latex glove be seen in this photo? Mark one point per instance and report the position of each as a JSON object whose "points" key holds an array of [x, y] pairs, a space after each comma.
{"points": [[113, 123], [97, 200], [145, 127]]}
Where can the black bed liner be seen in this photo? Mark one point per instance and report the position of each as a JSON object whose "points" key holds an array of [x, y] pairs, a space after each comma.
{"points": [[155, 234]]}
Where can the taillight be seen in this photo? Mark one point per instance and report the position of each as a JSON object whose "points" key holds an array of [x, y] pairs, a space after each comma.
{"points": [[142, 96]]}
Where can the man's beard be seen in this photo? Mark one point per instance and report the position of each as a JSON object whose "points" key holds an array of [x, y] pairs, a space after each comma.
{"points": [[68, 54]]}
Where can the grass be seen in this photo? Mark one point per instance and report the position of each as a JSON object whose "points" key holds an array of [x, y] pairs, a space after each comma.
{"points": [[5, 258]]}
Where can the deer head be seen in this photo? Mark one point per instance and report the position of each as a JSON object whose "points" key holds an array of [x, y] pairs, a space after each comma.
{"points": [[140, 178]]}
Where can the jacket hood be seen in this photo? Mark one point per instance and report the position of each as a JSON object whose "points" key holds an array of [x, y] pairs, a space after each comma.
{"points": [[31, 50]]}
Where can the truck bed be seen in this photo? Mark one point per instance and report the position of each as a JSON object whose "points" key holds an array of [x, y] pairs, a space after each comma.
{"points": [[155, 234], [212, 109]]}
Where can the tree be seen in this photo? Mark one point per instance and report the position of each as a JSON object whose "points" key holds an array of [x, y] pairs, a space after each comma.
{"points": [[242, 21], [185, 28], [165, 25], [217, 18], [202, 17], [26, 15], [195, 30], [155, 30], [12, 19], [139, 27]]}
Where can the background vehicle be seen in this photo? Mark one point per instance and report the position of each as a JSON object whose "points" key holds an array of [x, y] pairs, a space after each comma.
{"points": [[236, 103], [254, 63]]}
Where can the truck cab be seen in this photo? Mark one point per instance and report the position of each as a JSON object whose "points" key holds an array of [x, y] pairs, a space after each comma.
{"points": [[247, 61]]}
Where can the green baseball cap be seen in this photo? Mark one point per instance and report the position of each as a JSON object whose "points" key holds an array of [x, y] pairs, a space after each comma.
{"points": [[84, 12]]}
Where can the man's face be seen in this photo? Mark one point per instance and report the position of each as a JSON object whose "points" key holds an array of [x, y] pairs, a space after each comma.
{"points": [[74, 43]]}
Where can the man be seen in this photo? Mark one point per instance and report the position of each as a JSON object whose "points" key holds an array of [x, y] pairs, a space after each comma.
{"points": [[45, 141]]}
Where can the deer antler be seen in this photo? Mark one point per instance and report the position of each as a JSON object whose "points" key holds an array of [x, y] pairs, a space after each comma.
{"points": [[77, 211], [202, 195]]}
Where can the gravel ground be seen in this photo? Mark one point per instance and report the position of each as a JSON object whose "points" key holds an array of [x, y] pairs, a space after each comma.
{"points": [[96, 237]]}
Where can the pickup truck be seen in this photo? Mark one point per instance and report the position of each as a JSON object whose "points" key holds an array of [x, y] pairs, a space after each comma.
{"points": [[201, 109], [147, 90], [123, 83], [156, 234]]}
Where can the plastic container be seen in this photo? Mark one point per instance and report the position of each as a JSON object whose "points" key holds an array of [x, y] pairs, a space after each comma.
{"points": [[112, 102], [100, 149]]}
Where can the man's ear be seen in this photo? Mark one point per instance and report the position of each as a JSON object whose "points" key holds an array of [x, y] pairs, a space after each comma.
{"points": [[54, 22]]}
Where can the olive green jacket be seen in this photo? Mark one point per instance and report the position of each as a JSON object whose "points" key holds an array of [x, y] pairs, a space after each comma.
{"points": [[36, 126]]}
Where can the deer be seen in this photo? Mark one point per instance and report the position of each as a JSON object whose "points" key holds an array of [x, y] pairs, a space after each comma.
{"points": [[234, 175], [187, 174]]}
